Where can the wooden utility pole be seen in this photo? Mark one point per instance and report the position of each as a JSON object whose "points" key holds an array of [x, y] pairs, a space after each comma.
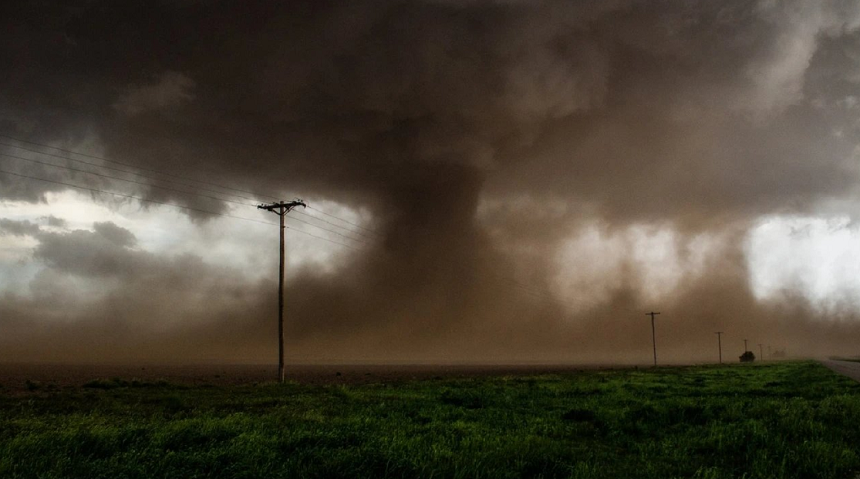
{"points": [[653, 334], [281, 209], [720, 344], [761, 352], [745, 346]]}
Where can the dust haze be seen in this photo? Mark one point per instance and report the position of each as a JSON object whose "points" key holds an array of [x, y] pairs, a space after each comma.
{"points": [[519, 162]]}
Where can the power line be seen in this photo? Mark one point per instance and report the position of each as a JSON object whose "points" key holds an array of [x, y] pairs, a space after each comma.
{"points": [[326, 229], [341, 219], [520, 286], [532, 292], [100, 158], [96, 190], [158, 186], [122, 171], [322, 238], [335, 225], [169, 189], [130, 165], [122, 179]]}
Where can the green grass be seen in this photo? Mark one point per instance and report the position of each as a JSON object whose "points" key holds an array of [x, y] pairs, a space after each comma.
{"points": [[759, 421]]}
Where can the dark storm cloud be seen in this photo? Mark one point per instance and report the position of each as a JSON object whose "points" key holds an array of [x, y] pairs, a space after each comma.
{"points": [[28, 228], [352, 97], [437, 117], [54, 221], [18, 228], [104, 252]]}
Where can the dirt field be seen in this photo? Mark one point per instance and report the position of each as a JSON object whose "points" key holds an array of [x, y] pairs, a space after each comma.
{"points": [[23, 377]]}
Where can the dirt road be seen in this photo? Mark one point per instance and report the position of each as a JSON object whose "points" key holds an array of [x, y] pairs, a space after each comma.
{"points": [[846, 368]]}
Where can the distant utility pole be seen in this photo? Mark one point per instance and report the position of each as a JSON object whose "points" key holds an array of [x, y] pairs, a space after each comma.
{"points": [[653, 334], [745, 346], [761, 352], [720, 344], [281, 209]]}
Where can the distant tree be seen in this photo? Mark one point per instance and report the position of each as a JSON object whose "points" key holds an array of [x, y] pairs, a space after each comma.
{"points": [[747, 357]]}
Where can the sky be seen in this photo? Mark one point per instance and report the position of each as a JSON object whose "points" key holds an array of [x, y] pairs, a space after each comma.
{"points": [[487, 181]]}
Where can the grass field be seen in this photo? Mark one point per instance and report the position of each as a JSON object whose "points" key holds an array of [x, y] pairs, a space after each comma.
{"points": [[775, 420]]}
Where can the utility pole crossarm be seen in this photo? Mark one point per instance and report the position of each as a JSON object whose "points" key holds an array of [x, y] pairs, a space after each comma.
{"points": [[281, 206]]}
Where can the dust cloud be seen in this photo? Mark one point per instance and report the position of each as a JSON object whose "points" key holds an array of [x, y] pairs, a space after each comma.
{"points": [[539, 174]]}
